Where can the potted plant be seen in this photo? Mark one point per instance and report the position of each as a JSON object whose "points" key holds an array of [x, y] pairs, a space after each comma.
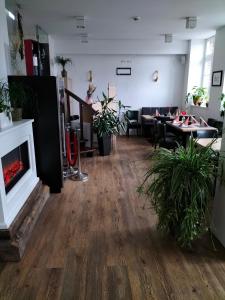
{"points": [[17, 96], [199, 95], [180, 186], [5, 118], [63, 62], [106, 122]]}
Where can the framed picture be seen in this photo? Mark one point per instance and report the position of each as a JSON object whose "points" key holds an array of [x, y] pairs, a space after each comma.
{"points": [[123, 71], [217, 78]]}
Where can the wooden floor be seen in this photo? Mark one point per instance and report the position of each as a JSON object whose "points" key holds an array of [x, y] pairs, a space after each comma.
{"points": [[98, 240]]}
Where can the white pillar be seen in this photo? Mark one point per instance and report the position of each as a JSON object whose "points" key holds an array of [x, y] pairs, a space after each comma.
{"points": [[218, 222]]}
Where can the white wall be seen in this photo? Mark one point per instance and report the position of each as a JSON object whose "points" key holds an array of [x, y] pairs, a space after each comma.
{"points": [[4, 43], [120, 47], [218, 64], [137, 90], [218, 225]]}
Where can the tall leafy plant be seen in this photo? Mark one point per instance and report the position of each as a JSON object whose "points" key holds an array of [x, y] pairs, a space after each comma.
{"points": [[106, 120], [180, 185], [60, 60]]}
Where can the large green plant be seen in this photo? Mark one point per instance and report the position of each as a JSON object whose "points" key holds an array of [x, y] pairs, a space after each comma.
{"points": [[4, 98], [106, 120], [180, 185]]}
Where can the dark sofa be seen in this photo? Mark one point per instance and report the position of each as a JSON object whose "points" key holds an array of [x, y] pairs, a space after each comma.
{"points": [[148, 125], [161, 110]]}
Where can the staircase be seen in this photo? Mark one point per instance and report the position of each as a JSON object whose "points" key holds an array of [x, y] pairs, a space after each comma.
{"points": [[86, 115]]}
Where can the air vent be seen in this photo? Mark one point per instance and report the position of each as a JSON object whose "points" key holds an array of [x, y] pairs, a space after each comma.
{"points": [[191, 22]]}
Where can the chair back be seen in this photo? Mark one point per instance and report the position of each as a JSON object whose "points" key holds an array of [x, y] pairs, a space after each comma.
{"points": [[132, 114], [204, 134], [160, 131]]}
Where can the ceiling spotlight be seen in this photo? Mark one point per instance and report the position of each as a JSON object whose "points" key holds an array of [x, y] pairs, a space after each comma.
{"points": [[80, 23], [168, 38], [191, 22], [136, 18], [11, 15]]}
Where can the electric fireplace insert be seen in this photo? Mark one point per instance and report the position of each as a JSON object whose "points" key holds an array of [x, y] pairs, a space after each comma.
{"points": [[15, 164]]}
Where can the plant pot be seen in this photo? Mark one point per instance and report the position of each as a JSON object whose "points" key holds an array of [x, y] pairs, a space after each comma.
{"points": [[5, 121], [64, 73], [104, 145], [17, 114], [197, 100]]}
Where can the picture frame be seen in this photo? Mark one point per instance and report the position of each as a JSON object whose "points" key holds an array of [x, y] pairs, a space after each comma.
{"points": [[123, 71], [217, 78]]}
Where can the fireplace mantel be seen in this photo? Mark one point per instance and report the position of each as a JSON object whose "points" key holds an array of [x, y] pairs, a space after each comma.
{"points": [[11, 202]]}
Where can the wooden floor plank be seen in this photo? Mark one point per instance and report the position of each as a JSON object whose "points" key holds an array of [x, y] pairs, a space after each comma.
{"points": [[98, 240]]}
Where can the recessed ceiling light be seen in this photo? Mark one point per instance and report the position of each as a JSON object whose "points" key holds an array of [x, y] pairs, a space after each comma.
{"points": [[136, 18], [11, 15], [191, 22]]}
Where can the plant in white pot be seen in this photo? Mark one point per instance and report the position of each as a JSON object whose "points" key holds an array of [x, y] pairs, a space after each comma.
{"points": [[106, 123], [5, 116]]}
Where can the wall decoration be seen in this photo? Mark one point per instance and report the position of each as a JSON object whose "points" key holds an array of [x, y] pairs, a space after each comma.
{"points": [[217, 78], [123, 71], [155, 76], [90, 76]]}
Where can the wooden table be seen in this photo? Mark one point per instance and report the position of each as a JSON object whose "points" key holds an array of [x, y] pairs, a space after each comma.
{"points": [[185, 132], [216, 146]]}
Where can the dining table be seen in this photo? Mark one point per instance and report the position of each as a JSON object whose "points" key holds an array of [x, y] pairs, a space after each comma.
{"points": [[215, 144], [185, 131]]}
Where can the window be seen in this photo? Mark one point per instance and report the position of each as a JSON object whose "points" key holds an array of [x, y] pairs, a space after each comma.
{"points": [[207, 63]]}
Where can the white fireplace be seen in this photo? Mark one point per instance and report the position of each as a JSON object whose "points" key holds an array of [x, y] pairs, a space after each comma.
{"points": [[18, 175]]}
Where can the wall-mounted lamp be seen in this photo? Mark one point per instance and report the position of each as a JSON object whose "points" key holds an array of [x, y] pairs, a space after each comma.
{"points": [[155, 76]]}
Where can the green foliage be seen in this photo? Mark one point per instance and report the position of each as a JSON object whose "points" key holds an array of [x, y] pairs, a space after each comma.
{"points": [[4, 98], [17, 94], [180, 186], [63, 61], [106, 120], [198, 93]]}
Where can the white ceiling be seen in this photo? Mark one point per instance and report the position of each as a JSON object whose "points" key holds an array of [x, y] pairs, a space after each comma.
{"points": [[111, 19]]}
